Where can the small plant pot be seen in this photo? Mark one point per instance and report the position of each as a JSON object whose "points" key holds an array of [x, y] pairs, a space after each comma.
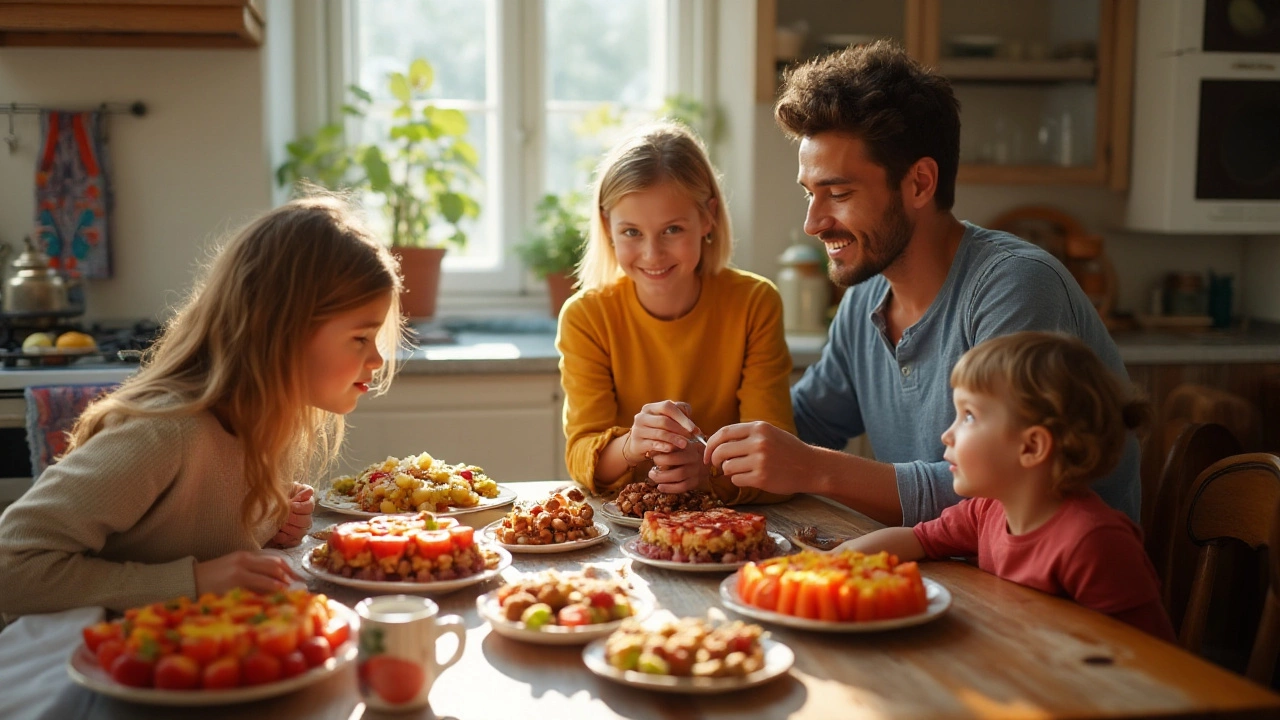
{"points": [[559, 289], [420, 268]]}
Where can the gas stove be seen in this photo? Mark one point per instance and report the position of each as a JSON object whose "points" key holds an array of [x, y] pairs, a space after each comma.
{"points": [[116, 344]]}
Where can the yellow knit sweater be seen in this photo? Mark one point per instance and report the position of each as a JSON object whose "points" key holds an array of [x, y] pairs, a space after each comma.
{"points": [[727, 358]]}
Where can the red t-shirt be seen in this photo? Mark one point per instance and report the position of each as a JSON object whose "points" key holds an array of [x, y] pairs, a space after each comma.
{"points": [[1087, 552]]}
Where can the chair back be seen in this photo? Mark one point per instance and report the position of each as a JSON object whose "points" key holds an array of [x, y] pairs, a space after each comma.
{"points": [[1234, 499], [1171, 551], [52, 411]]}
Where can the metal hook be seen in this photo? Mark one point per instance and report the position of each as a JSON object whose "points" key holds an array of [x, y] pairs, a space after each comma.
{"points": [[12, 139]]}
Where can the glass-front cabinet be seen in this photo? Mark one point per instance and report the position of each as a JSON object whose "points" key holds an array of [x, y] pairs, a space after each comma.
{"points": [[1044, 85]]}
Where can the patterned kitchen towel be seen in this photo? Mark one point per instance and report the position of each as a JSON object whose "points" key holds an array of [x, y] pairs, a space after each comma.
{"points": [[51, 412], [73, 194]]}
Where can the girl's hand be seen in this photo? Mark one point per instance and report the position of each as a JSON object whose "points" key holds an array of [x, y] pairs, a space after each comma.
{"points": [[657, 431], [680, 471], [261, 572], [301, 504]]}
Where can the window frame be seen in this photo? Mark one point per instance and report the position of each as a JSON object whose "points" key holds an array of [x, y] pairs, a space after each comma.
{"points": [[325, 57]]}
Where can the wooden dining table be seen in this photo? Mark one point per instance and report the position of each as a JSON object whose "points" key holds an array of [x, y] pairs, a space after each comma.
{"points": [[1000, 651]]}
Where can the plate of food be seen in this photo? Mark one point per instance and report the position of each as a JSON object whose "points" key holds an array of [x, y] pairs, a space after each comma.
{"points": [[560, 522], [197, 671], [554, 608], [716, 540], [637, 498], [405, 553], [413, 484], [664, 656], [835, 592]]}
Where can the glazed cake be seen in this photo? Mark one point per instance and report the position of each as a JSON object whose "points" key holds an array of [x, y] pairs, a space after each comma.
{"points": [[705, 536]]}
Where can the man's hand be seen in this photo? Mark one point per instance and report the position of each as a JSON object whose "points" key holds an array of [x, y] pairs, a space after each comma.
{"points": [[759, 455], [301, 504], [680, 471]]}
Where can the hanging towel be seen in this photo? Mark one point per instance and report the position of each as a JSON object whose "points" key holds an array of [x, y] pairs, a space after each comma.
{"points": [[73, 195], [51, 412]]}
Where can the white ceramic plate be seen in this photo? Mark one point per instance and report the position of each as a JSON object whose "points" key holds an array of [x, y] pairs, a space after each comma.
{"points": [[83, 668], [777, 661], [489, 608], [506, 496], [939, 600], [629, 549], [428, 588], [489, 534], [611, 513]]}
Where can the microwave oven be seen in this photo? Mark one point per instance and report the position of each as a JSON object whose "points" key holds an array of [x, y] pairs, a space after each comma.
{"points": [[1206, 118]]}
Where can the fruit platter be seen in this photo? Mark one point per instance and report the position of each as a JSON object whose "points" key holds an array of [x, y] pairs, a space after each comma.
{"points": [[560, 522], [688, 655], [409, 553], [217, 649], [845, 592], [414, 484], [555, 608]]}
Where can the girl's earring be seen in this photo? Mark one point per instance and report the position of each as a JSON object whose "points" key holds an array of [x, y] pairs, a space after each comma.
{"points": [[707, 238]]}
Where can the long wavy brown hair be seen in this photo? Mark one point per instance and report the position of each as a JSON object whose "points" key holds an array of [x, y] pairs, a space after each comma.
{"points": [[237, 346]]}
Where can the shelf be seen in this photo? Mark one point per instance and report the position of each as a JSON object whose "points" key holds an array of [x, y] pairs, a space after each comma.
{"points": [[990, 174], [131, 23], [999, 70]]}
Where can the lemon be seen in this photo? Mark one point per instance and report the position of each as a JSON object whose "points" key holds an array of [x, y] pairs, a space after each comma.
{"points": [[75, 341], [35, 342]]}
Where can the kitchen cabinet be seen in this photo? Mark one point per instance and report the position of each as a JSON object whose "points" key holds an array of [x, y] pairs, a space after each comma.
{"points": [[132, 23], [507, 424], [1045, 86]]}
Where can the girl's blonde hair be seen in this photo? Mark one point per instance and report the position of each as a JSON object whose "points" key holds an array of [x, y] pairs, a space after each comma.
{"points": [[653, 154], [1057, 381], [237, 346]]}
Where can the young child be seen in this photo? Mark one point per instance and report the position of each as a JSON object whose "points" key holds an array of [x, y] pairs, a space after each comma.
{"points": [[1038, 418], [664, 337], [176, 481]]}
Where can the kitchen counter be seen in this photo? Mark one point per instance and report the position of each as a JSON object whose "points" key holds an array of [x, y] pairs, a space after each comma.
{"points": [[527, 346]]}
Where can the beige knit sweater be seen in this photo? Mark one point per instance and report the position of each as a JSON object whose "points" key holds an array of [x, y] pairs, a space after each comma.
{"points": [[123, 520]]}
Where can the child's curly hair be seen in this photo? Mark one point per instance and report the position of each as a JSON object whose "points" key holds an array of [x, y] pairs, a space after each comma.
{"points": [[1057, 381]]}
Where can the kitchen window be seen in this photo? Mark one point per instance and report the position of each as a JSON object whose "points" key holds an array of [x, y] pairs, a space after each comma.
{"points": [[530, 75]]}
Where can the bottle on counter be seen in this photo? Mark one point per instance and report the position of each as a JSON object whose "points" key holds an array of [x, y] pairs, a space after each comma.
{"points": [[805, 289]]}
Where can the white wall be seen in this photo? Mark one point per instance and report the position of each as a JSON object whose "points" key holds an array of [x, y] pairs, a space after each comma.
{"points": [[195, 166]]}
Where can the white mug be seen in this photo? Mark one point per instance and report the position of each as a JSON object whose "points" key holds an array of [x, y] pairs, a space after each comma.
{"points": [[398, 658]]}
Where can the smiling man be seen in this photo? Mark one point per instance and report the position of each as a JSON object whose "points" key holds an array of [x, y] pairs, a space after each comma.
{"points": [[879, 146]]}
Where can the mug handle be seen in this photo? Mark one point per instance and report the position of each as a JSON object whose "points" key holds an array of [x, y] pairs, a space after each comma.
{"points": [[446, 625]]}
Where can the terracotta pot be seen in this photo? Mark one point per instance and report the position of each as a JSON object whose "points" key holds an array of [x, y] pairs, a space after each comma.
{"points": [[421, 270], [559, 288]]}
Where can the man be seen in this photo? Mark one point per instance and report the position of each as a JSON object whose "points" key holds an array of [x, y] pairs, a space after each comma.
{"points": [[879, 147]]}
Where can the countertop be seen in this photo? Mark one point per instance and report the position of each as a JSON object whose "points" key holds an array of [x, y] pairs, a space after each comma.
{"points": [[527, 346]]}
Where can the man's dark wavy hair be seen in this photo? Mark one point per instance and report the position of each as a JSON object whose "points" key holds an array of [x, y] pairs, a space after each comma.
{"points": [[902, 110]]}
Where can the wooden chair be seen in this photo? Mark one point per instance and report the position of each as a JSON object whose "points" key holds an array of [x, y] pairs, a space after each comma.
{"points": [[1171, 551], [1236, 498]]}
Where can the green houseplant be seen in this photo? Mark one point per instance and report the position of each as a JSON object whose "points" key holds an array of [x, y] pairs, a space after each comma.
{"points": [[422, 172], [556, 244]]}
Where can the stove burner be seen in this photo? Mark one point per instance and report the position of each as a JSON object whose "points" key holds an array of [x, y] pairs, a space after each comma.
{"points": [[132, 340]]}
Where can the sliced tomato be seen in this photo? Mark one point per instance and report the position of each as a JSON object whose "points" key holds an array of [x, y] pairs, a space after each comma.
{"points": [[259, 668], [202, 649], [293, 664], [107, 653], [337, 632], [847, 601], [95, 634], [177, 672], [221, 674], [463, 536], [828, 601], [349, 542], [316, 651], [433, 543], [277, 638], [788, 589], [388, 547], [767, 592], [444, 523], [574, 615], [133, 670]]}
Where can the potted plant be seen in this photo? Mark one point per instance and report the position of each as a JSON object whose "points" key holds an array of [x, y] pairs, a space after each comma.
{"points": [[421, 171], [556, 244]]}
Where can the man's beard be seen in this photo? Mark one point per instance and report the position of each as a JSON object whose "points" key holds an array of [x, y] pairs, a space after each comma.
{"points": [[883, 247]]}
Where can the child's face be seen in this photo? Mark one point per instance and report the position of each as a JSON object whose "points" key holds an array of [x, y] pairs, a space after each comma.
{"points": [[342, 356], [657, 237], [983, 444]]}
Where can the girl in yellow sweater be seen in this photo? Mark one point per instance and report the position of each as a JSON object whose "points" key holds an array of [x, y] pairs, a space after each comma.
{"points": [[176, 481], [663, 336]]}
